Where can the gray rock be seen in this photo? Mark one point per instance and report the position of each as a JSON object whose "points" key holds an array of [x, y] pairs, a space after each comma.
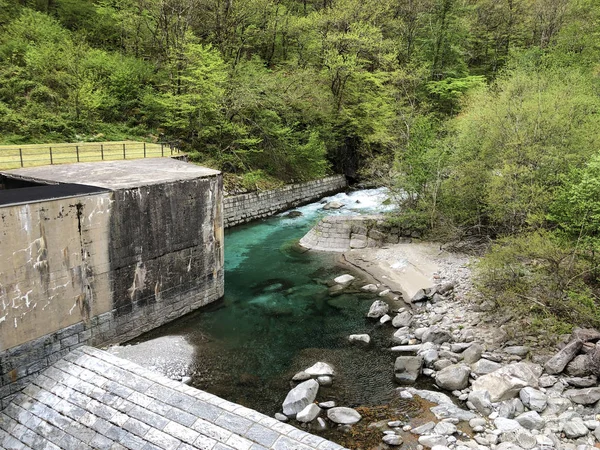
{"points": [[281, 417], [327, 405], [438, 398], [579, 366], [325, 380], [320, 368], [504, 425], [584, 396], [342, 415], [300, 397], [360, 338], [575, 428], [392, 439], [407, 369], [429, 357], [369, 288], [333, 205], [519, 350], [473, 353], [403, 319], [308, 414], [446, 411], [586, 334], [426, 428], [433, 440], [481, 402], [441, 364], [419, 296], [385, 318], [505, 383], [485, 366], [445, 429], [301, 376], [547, 381], [344, 279], [558, 362], [477, 422], [378, 308], [406, 348], [595, 360], [510, 408], [556, 406], [436, 335], [531, 420], [533, 399], [401, 335], [582, 382], [454, 377], [460, 346]]}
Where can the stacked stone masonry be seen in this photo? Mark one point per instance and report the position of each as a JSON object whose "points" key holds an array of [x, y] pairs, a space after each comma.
{"points": [[238, 209], [91, 399]]}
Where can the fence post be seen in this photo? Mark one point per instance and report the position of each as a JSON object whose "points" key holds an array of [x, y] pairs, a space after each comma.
{"points": [[124, 151], [144, 149], [21, 156], [162, 149], [171, 149], [51, 162], [102, 151], [77, 150]]}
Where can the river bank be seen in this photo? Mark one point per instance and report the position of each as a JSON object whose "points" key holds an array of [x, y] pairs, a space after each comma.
{"points": [[509, 389]]}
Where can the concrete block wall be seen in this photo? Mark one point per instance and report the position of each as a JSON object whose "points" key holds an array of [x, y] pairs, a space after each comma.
{"points": [[244, 208], [104, 268]]}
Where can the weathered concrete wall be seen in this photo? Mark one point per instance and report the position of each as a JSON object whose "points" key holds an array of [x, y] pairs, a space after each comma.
{"points": [[104, 268], [342, 233], [244, 208]]}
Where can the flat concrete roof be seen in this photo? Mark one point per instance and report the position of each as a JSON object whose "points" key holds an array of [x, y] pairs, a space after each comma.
{"points": [[116, 175]]}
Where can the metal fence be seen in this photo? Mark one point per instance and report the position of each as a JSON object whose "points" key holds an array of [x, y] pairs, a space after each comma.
{"points": [[13, 157]]}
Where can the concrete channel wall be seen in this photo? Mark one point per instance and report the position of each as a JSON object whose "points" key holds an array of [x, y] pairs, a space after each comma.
{"points": [[244, 208], [107, 266]]}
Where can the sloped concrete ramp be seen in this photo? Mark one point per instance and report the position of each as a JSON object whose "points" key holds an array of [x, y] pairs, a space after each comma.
{"points": [[91, 399]]}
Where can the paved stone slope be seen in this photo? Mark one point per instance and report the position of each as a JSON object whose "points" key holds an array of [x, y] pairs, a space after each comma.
{"points": [[91, 399]]}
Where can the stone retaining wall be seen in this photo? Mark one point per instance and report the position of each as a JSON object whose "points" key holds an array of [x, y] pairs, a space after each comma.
{"points": [[244, 208], [342, 233]]}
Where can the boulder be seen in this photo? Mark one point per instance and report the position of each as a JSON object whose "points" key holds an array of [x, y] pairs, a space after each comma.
{"points": [[378, 308], [579, 366], [594, 361], [370, 288], [392, 439], [320, 368], [333, 205], [419, 296], [473, 353], [432, 440], [426, 428], [481, 402], [533, 399], [586, 334], [301, 376], [300, 397], [451, 411], [530, 420], [454, 377], [436, 335], [407, 369], [308, 414], [510, 408], [281, 417], [507, 382], [343, 415], [518, 350], [327, 405], [575, 428], [325, 380], [403, 319], [360, 338], [445, 429], [558, 362], [506, 425], [485, 366], [557, 406], [343, 279], [584, 396], [385, 318]]}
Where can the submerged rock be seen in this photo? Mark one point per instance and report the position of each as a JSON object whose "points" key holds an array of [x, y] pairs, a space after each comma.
{"points": [[333, 205], [369, 288], [407, 369], [343, 415], [360, 338], [343, 279]]}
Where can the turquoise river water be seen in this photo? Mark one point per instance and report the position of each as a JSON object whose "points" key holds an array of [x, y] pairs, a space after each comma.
{"points": [[277, 318]]}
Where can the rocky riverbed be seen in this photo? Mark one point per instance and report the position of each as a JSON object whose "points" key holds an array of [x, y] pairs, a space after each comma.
{"points": [[489, 389]]}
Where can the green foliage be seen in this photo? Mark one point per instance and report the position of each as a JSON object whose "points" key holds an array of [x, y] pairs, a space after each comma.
{"points": [[542, 277]]}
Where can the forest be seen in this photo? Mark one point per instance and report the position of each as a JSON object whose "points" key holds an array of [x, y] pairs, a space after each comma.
{"points": [[483, 116]]}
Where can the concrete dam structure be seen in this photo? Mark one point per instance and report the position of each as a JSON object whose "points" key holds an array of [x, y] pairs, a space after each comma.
{"points": [[98, 253]]}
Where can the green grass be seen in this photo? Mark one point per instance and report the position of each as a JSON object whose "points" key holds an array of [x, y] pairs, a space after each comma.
{"points": [[39, 155]]}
